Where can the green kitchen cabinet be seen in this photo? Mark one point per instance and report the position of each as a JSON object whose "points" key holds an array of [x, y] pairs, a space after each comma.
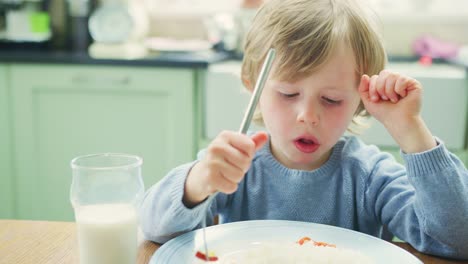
{"points": [[6, 174], [60, 112], [463, 156]]}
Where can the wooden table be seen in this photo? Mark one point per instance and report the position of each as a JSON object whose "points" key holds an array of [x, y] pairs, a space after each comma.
{"points": [[38, 242]]}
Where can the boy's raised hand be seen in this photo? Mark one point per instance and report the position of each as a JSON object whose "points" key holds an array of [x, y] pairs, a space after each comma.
{"points": [[227, 159], [391, 97], [395, 101]]}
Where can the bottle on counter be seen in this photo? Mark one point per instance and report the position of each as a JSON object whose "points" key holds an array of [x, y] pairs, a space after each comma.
{"points": [[78, 33]]}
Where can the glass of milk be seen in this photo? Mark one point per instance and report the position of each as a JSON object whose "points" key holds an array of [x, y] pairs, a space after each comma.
{"points": [[105, 193]]}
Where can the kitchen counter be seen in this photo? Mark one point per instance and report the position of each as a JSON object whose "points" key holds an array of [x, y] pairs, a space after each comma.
{"points": [[55, 242], [175, 59], [164, 59]]}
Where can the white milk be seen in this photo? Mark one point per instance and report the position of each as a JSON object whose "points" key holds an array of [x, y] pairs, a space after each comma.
{"points": [[107, 234]]}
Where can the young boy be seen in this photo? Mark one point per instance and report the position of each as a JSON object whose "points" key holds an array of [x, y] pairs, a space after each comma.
{"points": [[327, 73]]}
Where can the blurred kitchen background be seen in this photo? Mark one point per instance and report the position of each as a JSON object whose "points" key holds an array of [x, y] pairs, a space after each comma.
{"points": [[160, 79]]}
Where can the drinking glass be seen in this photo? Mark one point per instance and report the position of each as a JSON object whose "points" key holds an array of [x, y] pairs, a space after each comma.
{"points": [[105, 192]]}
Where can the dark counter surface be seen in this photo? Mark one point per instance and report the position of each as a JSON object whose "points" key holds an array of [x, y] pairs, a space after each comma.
{"points": [[175, 59], [179, 59]]}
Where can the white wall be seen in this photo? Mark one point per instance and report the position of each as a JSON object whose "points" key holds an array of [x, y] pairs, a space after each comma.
{"points": [[190, 7], [418, 7], [402, 20]]}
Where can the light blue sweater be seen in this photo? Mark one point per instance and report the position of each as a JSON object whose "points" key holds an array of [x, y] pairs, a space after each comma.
{"points": [[359, 188]]}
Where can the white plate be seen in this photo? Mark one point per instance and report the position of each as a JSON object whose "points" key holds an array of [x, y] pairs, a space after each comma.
{"points": [[228, 238]]}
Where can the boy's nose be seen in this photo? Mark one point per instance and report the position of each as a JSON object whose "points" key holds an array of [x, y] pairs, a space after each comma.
{"points": [[309, 115]]}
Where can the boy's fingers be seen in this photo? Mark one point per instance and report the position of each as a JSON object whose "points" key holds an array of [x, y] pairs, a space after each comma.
{"points": [[401, 86], [373, 94], [390, 88], [232, 173], [364, 84], [236, 158], [380, 84], [260, 138], [239, 141], [222, 184]]}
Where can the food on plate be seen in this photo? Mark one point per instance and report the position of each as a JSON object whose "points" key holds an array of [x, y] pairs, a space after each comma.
{"points": [[316, 243], [303, 251], [202, 256]]}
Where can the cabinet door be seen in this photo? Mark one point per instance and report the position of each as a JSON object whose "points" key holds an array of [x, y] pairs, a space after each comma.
{"points": [[64, 111], [6, 176], [463, 155]]}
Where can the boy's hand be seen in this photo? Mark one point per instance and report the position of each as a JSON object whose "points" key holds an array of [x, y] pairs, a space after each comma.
{"points": [[395, 101], [391, 97], [227, 159]]}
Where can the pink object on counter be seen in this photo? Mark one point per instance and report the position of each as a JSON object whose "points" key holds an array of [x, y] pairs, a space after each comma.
{"points": [[435, 48]]}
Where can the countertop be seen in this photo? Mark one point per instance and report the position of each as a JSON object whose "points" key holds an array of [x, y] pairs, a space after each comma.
{"points": [[161, 59], [56, 242], [175, 59]]}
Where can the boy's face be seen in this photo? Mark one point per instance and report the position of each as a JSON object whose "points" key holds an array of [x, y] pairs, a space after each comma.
{"points": [[306, 118]]}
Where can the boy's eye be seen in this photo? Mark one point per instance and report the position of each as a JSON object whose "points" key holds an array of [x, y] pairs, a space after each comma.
{"points": [[291, 95], [331, 101]]}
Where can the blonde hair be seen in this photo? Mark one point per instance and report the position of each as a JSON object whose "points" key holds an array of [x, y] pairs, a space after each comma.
{"points": [[305, 33]]}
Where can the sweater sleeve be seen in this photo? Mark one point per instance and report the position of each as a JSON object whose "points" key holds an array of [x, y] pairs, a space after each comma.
{"points": [[426, 203], [163, 215]]}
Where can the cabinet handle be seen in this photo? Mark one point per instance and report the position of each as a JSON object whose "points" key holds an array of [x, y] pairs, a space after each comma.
{"points": [[81, 80]]}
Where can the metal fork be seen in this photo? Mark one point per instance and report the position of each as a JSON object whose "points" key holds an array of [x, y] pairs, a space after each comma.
{"points": [[263, 76]]}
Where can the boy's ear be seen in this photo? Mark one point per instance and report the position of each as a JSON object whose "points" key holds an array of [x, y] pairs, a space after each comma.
{"points": [[247, 84]]}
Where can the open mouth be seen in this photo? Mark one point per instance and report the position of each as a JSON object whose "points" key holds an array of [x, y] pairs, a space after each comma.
{"points": [[306, 145]]}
